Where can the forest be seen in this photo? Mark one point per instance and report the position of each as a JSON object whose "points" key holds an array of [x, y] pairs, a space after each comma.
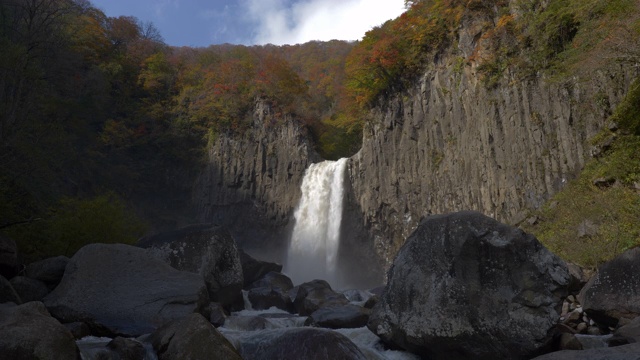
{"points": [[95, 109]]}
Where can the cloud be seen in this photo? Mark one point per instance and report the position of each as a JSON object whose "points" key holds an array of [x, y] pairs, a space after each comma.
{"points": [[291, 22], [160, 7]]}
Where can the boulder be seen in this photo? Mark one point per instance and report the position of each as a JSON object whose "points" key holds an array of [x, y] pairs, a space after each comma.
{"points": [[614, 291], [205, 250], [217, 316], [253, 270], [298, 343], [29, 332], [127, 349], [341, 317], [122, 290], [627, 334], [316, 294], [7, 293], [49, 271], [271, 290], [625, 352], [29, 289], [265, 297], [78, 329], [466, 286], [191, 338], [8, 257]]}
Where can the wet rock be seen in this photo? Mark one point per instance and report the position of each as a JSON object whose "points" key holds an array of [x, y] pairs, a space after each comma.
{"points": [[49, 271], [466, 286], [298, 343], [191, 338], [271, 290], [614, 291], [254, 270], [29, 289], [355, 295], [569, 342], [316, 294], [217, 315], [127, 349], [248, 323], [123, 290], [78, 329], [340, 317], [265, 297], [626, 352], [8, 257], [205, 250], [29, 332]]}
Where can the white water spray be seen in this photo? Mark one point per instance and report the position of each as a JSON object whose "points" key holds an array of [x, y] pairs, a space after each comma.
{"points": [[313, 251]]}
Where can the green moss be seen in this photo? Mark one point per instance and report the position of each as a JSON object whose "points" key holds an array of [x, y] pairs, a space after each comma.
{"points": [[587, 223]]}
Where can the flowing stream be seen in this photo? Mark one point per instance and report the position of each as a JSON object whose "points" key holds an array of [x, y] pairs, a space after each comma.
{"points": [[315, 240]]}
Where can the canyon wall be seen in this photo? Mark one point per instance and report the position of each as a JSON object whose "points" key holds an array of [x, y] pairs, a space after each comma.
{"points": [[449, 143], [252, 181]]}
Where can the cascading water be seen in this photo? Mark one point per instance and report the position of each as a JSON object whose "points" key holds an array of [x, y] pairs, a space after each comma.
{"points": [[315, 240]]}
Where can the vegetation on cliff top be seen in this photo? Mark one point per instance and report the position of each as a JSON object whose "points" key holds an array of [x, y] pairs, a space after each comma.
{"points": [[94, 108]]}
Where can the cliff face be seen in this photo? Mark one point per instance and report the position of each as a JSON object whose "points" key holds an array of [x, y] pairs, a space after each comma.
{"points": [[451, 144], [252, 181]]}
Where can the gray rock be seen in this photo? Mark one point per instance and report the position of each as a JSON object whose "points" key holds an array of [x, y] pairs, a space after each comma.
{"points": [[466, 286], [266, 297], [8, 256], [205, 250], [569, 342], [629, 333], [8, 293], [217, 316], [29, 289], [123, 290], [274, 280], [626, 352], [614, 291], [49, 271], [298, 343], [254, 270], [28, 332], [340, 317], [248, 323], [316, 294], [78, 329], [127, 349], [191, 338]]}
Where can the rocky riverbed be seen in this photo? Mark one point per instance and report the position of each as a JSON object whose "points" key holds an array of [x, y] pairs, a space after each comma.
{"points": [[463, 286]]}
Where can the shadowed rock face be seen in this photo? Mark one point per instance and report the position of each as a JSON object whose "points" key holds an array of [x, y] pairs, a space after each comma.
{"points": [[205, 250], [465, 286], [614, 291], [28, 332], [123, 290]]}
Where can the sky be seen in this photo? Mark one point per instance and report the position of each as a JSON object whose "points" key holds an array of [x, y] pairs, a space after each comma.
{"points": [[201, 23]]}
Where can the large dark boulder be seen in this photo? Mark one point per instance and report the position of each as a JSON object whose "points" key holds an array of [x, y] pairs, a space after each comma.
{"points": [[272, 290], [466, 286], [192, 338], [8, 257], [625, 352], [205, 250], [28, 332], [342, 317], [629, 333], [123, 290], [49, 271], [29, 289], [614, 291], [316, 294], [298, 343], [253, 269]]}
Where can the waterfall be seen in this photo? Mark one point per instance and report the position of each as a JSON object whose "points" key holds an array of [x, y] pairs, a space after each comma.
{"points": [[315, 240]]}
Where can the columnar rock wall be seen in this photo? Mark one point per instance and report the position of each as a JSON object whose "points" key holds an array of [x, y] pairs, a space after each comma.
{"points": [[449, 143], [252, 181]]}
